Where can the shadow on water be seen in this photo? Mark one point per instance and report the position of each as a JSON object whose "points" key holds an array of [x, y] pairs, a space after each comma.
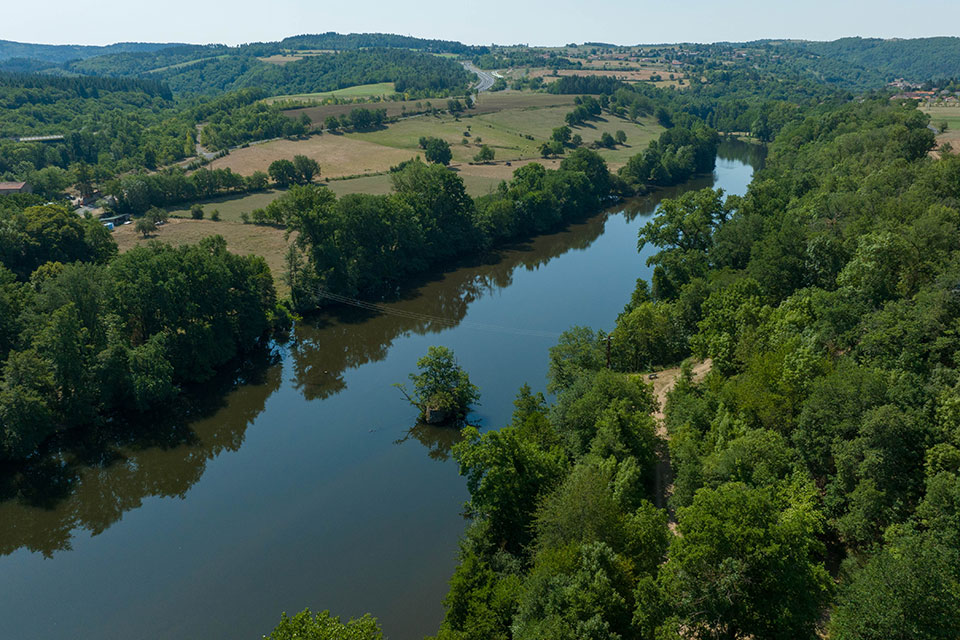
{"points": [[90, 478]]}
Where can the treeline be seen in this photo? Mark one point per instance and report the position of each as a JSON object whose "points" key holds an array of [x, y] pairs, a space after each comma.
{"points": [[524, 58], [136, 193], [258, 121], [916, 59], [139, 63], [340, 41], [212, 70], [674, 158], [362, 244], [59, 53], [568, 85], [410, 71], [79, 86], [86, 335], [817, 458]]}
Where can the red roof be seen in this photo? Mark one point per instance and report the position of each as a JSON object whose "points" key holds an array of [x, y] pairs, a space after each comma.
{"points": [[12, 185]]}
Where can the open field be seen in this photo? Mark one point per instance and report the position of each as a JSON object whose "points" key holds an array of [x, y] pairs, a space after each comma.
{"points": [[359, 91], [338, 155], [230, 207], [950, 115], [513, 124], [280, 59], [242, 239], [488, 103], [479, 180], [505, 131]]}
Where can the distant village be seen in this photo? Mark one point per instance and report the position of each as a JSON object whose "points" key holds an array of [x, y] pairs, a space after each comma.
{"points": [[933, 96]]}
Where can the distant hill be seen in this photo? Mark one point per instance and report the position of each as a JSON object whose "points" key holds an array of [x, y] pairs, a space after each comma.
{"points": [[916, 59], [340, 41], [59, 53]]}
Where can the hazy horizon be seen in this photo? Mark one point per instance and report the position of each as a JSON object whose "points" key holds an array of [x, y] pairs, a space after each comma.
{"points": [[533, 23]]}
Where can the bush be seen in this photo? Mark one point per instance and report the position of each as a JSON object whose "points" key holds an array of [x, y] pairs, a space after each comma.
{"points": [[196, 212]]}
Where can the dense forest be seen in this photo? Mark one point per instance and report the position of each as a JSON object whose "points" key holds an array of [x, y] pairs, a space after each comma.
{"points": [[918, 59], [87, 335], [58, 53], [817, 458], [207, 70], [343, 41]]}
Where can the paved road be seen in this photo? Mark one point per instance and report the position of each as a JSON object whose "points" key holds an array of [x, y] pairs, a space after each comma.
{"points": [[486, 79]]}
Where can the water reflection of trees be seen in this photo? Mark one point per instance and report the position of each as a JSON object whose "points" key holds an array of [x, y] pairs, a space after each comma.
{"points": [[89, 480], [438, 440], [745, 152], [347, 337]]}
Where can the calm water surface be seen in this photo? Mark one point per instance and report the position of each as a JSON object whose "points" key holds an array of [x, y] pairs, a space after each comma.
{"points": [[304, 486]]}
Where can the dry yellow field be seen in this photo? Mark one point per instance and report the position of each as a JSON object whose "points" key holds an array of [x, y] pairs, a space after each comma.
{"points": [[242, 239], [338, 156]]}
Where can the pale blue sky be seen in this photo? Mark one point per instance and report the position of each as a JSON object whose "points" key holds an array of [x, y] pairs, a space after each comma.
{"points": [[501, 21]]}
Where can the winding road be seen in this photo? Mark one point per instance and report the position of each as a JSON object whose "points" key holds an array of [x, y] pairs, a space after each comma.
{"points": [[486, 79]]}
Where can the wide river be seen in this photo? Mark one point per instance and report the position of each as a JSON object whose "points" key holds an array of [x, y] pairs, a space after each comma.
{"points": [[303, 484]]}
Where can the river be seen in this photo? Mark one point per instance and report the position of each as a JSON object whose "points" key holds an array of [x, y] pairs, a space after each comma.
{"points": [[300, 483]]}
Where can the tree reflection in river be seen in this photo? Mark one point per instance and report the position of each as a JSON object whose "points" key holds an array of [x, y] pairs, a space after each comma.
{"points": [[90, 479], [438, 440]]}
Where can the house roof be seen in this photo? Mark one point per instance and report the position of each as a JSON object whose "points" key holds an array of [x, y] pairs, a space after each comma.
{"points": [[12, 185]]}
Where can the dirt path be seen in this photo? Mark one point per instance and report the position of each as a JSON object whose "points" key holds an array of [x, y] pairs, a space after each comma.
{"points": [[662, 385]]}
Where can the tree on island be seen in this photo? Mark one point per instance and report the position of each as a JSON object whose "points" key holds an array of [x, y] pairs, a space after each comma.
{"points": [[442, 390]]}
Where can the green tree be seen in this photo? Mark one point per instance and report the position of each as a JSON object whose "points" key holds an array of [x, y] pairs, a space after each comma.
{"points": [[323, 626], [620, 136], [307, 169], [196, 212], [738, 551], [438, 151], [486, 154], [561, 134], [578, 350], [442, 389], [283, 172], [507, 475], [145, 226], [909, 590]]}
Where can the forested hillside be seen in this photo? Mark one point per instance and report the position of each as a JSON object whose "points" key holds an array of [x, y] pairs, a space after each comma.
{"points": [[208, 70], [916, 59], [58, 53], [341, 41], [819, 456]]}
